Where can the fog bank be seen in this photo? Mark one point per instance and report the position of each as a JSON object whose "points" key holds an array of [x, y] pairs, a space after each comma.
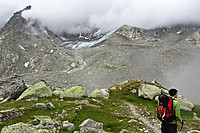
{"points": [[78, 15]]}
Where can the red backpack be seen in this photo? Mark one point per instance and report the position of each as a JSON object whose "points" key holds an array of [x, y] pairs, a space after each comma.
{"points": [[165, 108]]}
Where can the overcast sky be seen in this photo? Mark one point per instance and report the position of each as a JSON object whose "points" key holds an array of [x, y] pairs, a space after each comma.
{"points": [[75, 15]]}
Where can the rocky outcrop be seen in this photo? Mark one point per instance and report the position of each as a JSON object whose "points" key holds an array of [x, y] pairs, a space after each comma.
{"points": [[6, 115], [152, 92], [50, 106], [19, 128], [12, 88], [91, 126], [148, 91], [75, 92], [184, 103], [38, 90], [100, 93], [68, 127], [41, 106], [57, 91], [44, 106]]}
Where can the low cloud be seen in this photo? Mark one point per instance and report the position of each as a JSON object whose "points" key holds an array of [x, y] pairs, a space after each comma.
{"points": [[187, 79], [78, 15]]}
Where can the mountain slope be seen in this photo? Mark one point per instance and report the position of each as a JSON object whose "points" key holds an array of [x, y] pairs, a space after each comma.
{"points": [[27, 48], [164, 54]]}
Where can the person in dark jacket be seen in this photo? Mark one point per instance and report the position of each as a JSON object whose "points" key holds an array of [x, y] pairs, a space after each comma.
{"points": [[171, 127]]}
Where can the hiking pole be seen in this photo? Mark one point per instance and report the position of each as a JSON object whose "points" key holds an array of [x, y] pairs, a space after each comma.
{"points": [[183, 123], [181, 128]]}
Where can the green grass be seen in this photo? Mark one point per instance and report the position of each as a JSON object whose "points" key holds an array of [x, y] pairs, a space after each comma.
{"points": [[196, 109], [111, 112]]}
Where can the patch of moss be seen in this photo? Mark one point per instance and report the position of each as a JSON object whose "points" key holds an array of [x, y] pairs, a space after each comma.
{"points": [[196, 109]]}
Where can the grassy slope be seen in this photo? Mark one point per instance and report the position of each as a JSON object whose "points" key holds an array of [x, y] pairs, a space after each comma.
{"points": [[111, 112]]}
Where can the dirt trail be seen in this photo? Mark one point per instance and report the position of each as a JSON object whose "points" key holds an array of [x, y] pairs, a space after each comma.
{"points": [[154, 126]]}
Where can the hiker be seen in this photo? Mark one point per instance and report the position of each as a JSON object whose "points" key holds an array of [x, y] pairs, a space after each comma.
{"points": [[170, 126]]}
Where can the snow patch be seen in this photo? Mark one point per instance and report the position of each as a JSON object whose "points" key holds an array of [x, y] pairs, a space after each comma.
{"points": [[26, 64], [84, 45], [51, 51], [22, 47]]}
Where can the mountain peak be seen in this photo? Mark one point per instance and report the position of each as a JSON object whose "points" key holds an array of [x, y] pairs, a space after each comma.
{"points": [[16, 21]]}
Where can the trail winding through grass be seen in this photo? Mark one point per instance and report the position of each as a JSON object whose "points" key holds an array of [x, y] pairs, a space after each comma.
{"points": [[154, 126]]}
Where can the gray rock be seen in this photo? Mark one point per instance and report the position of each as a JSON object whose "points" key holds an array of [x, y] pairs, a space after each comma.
{"points": [[12, 89], [44, 121], [64, 111], [100, 93], [193, 131], [132, 120], [18, 90], [133, 91], [38, 90], [196, 117], [58, 91], [69, 127], [1, 99], [18, 128], [184, 103], [92, 124], [32, 99], [125, 131], [148, 91], [75, 92], [50, 106], [41, 106]]}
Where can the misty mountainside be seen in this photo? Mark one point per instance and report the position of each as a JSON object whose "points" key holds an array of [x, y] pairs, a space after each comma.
{"points": [[26, 48], [166, 54]]}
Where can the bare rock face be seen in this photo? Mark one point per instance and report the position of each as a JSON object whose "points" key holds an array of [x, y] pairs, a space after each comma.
{"points": [[12, 88], [26, 47]]}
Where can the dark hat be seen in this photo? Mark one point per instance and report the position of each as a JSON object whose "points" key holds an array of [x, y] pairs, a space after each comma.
{"points": [[173, 92]]}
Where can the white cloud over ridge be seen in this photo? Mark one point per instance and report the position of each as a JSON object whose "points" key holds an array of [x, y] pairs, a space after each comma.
{"points": [[76, 15]]}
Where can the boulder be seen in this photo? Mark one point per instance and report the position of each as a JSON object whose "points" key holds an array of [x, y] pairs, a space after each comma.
{"points": [[19, 128], [50, 106], [41, 106], [91, 124], [100, 93], [68, 127], [43, 124], [133, 91], [148, 91], [38, 90], [9, 114], [18, 90], [32, 99], [184, 103], [44, 120], [75, 92], [12, 88], [57, 91]]}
